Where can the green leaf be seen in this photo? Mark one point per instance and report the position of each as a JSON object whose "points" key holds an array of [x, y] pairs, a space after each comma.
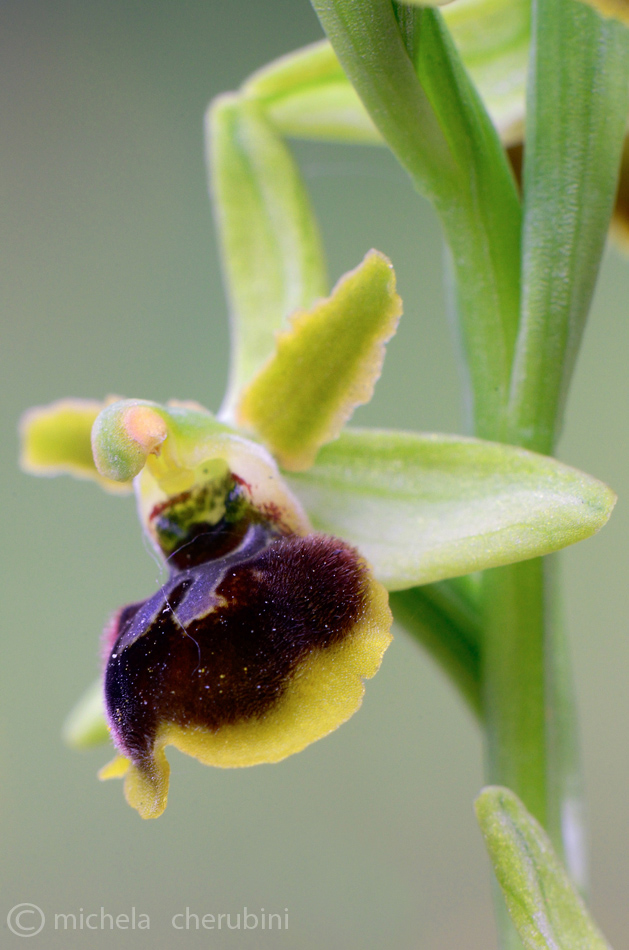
{"points": [[542, 901], [325, 365], [426, 507], [575, 126], [366, 37], [86, 726], [271, 251]]}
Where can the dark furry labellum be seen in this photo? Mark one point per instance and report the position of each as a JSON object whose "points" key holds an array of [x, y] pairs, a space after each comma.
{"points": [[242, 657]]}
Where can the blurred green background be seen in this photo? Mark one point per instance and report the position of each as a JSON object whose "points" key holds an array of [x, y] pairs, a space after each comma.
{"points": [[110, 283]]}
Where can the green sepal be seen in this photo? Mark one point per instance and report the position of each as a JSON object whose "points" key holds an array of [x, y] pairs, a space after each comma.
{"points": [[270, 245], [324, 365], [306, 94], [544, 904], [422, 508], [56, 440], [86, 726]]}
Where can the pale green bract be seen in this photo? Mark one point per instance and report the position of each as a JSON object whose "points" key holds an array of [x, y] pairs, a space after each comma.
{"points": [[544, 904]]}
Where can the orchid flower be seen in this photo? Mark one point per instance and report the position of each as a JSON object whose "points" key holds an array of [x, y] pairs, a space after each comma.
{"points": [[281, 529]]}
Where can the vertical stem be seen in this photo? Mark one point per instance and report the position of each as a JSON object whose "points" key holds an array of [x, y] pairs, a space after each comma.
{"points": [[517, 695], [577, 104], [564, 760], [514, 682], [529, 706], [530, 714]]}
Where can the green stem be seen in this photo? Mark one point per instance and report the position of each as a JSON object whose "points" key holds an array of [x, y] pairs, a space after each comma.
{"points": [[514, 682], [515, 692], [529, 709]]}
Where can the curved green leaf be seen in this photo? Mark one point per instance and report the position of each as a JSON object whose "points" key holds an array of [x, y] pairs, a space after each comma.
{"points": [[418, 94], [306, 94], [426, 507], [542, 901]]}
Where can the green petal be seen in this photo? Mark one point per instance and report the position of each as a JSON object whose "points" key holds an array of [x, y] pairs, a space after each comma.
{"points": [[422, 508], [324, 365], [86, 726], [542, 901], [272, 256], [56, 440]]}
